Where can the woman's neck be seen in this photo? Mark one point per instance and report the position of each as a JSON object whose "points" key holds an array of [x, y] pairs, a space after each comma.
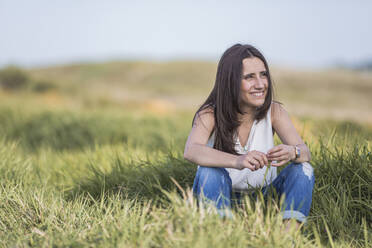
{"points": [[248, 116]]}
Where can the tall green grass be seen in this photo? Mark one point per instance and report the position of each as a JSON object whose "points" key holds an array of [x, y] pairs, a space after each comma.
{"points": [[72, 178], [71, 130]]}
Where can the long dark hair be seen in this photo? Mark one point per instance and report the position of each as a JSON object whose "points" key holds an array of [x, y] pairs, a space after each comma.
{"points": [[224, 97]]}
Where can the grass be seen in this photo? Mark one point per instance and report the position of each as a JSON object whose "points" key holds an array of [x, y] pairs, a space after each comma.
{"points": [[185, 84], [122, 194], [102, 173]]}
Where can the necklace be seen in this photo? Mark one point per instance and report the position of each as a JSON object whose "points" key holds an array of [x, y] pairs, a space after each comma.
{"points": [[250, 137]]}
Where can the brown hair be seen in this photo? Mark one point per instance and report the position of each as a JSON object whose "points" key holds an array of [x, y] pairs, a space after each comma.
{"points": [[224, 97]]}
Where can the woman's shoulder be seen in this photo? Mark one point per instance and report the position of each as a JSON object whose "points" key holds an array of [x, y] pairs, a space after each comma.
{"points": [[205, 118], [277, 111]]}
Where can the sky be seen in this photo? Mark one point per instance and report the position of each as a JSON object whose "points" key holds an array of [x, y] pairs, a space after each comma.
{"points": [[290, 33]]}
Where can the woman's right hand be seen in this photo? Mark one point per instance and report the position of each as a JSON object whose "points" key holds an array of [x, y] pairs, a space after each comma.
{"points": [[253, 160]]}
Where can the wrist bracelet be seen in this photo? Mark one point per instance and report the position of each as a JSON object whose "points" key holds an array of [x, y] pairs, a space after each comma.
{"points": [[297, 152]]}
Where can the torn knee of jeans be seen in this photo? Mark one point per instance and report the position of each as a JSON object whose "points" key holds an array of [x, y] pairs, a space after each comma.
{"points": [[307, 169]]}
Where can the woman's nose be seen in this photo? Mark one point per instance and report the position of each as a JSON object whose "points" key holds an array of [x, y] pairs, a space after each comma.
{"points": [[260, 83]]}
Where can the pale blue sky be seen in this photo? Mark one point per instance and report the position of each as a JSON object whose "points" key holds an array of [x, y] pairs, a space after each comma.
{"points": [[292, 33]]}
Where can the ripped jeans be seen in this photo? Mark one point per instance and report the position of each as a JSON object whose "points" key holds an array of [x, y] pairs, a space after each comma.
{"points": [[296, 181]]}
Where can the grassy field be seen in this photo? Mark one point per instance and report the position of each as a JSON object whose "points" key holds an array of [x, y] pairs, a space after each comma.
{"points": [[334, 94], [97, 160]]}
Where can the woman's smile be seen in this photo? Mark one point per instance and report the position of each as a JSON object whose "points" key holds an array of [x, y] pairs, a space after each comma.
{"points": [[254, 82], [259, 94]]}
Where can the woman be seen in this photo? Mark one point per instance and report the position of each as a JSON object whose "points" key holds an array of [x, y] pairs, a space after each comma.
{"points": [[232, 138]]}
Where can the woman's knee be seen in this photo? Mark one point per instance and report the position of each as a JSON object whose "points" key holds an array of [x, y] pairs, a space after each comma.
{"points": [[302, 170], [213, 184], [213, 175]]}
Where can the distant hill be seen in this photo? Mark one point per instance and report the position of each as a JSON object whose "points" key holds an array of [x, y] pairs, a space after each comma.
{"points": [[330, 93], [365, 65]]}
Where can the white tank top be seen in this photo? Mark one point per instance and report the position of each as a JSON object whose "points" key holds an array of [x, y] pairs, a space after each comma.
{"points": [[260, 139]]}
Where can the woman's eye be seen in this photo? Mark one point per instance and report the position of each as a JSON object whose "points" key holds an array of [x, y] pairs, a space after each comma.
{"points": [[264, 74]]}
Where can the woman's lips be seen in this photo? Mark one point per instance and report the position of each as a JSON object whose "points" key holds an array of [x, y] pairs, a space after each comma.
{"points": [[258, 94]]}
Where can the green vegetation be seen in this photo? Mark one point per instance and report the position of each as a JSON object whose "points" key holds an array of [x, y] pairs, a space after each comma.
{"points": [[346, 94], [63, 130], [101, 172], [13, 78]]}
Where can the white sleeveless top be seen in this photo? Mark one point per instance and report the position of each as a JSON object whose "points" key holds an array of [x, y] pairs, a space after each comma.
{"points": [[260, 139]]}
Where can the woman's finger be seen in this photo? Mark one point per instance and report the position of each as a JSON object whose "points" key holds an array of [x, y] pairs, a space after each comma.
{"points": [[253, 162], [261, 157], [283, 157], [280, 163], [278, 149], [258, 157], [276, 154], [257, 164], [248, 165], [274, 149], [264, 157]]}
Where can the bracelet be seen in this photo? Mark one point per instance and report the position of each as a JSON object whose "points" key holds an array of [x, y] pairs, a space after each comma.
{"points": [[297, 152]]}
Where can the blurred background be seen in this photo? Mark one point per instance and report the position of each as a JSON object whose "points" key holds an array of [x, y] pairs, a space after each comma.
{"points": [[97, 100], [162, 56]]}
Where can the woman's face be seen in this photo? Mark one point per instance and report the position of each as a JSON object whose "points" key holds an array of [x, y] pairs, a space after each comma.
{"points": [[253, 89]]}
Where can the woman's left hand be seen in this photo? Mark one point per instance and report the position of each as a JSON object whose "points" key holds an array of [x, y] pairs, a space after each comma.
{"points": [[282, 154]]}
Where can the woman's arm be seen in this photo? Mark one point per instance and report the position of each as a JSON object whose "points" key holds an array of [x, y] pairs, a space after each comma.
{"points": [[198, 152], [287, 133]]}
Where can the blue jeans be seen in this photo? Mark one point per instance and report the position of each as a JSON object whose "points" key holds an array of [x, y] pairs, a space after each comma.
{"points": [[296, 181]]}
